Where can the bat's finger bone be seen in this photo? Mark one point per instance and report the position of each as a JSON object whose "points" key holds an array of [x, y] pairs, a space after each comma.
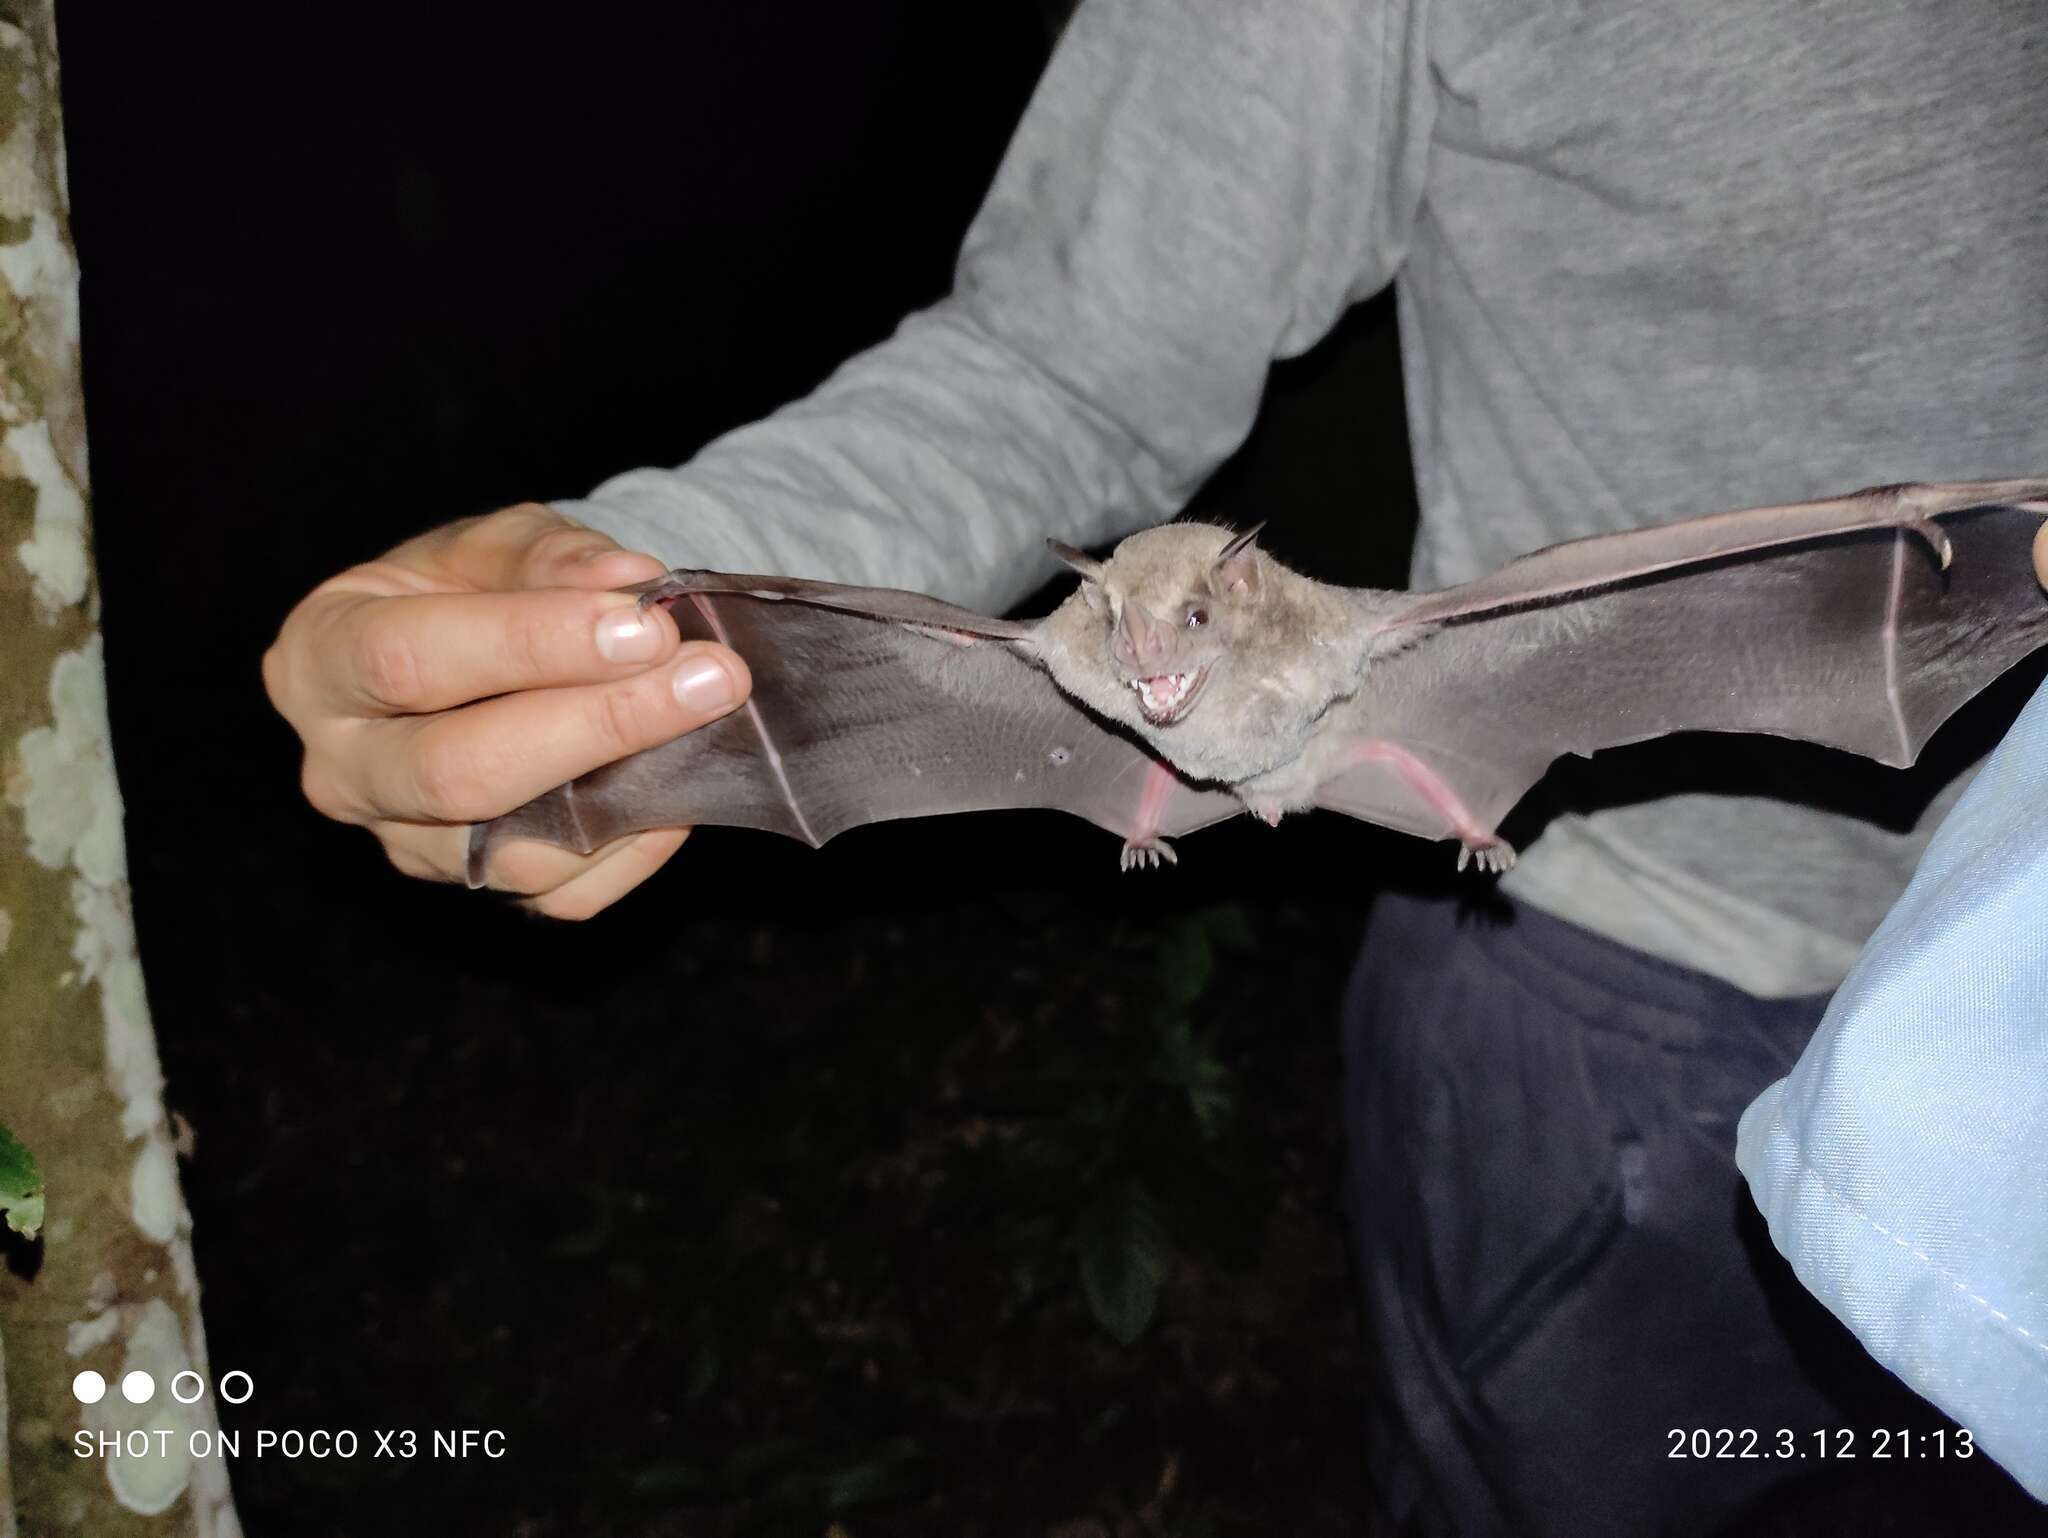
{"points": [[941, 633]]}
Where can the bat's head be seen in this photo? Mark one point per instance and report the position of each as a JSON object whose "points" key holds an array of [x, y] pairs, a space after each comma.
{"points": [[1172, 602]]}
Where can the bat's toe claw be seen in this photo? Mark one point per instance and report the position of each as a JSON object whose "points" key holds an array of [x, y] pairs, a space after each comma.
{"points": [[1493, 857], [1145, 854]]}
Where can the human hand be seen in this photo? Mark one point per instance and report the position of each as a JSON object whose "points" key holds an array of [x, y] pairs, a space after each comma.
{"points": [[477, 666], [2041, 555]]}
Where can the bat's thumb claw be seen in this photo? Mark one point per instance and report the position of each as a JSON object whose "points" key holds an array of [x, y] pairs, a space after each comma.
{"points": [[1937, 539]]}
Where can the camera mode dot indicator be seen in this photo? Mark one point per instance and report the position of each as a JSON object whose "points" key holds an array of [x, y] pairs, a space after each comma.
{"points": [[138, 1387], [88, 1387]]}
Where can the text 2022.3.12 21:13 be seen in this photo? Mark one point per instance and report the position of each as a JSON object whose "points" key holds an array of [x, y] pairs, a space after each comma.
{"points": [[1839, 1442]]}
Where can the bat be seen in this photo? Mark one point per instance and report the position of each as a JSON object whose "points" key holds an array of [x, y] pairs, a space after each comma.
{"points": [[1192, 676]]}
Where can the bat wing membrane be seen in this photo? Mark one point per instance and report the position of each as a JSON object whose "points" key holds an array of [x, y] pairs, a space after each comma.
{"points": [[1858, 641], [867, 705]]}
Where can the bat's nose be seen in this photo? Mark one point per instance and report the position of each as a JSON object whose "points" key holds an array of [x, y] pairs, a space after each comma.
{"points": [[1144, 639]]}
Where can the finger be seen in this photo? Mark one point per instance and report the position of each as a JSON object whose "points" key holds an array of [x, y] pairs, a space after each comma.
{"points": [[2041, 555], [482, 761], [422, 851], [425, 652], [610, 568], [530, 546], [433, 852], [611, 874]]}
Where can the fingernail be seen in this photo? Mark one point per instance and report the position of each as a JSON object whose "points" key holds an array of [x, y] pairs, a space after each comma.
{"points": [[627, 635], [703, 684]]}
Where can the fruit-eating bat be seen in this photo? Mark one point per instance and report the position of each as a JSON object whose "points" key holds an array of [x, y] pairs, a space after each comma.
{"points": [[1192, 676]]}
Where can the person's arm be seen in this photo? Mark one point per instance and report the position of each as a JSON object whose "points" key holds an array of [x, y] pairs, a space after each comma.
{"points": [[1198, 187]]}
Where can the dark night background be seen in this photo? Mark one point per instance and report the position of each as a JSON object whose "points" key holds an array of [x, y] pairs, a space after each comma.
{"points": [[752, 1206]]}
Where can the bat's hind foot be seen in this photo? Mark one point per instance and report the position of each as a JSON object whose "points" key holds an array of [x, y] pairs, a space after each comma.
{"points": [[1493, 856], [1145, 853]]}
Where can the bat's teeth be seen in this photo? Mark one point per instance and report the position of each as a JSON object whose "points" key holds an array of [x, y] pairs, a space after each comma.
{"points": [[1163, 691]]}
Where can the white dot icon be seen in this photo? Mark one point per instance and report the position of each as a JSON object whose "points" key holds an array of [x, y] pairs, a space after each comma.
{"points": [[137, 1387], [88, 1387]]}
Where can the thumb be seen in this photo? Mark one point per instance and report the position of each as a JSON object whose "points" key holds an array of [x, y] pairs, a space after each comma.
{"points": [[550, 550], [524, 547], [2041, 555], [603, 568]]}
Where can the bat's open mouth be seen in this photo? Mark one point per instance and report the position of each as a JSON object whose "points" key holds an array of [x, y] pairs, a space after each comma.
{"points": [[1166, 699]]}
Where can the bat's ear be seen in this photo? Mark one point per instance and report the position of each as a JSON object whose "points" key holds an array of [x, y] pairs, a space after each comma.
{"points": [[1080, 560], [1237, 568]]}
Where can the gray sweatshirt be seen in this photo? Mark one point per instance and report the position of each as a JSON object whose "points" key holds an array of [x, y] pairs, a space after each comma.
{"points": [[1651, 260]]}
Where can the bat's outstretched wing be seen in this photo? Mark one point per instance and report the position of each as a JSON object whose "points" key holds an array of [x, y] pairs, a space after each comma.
{"points": [[1861, 623], [868, 704]]}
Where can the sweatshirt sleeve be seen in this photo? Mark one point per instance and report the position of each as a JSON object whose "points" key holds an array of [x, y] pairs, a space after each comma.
{"points": [[1197, 188]]}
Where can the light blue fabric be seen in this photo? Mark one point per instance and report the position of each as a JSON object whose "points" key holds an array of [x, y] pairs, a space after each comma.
{"points": [[1903, 1164]]}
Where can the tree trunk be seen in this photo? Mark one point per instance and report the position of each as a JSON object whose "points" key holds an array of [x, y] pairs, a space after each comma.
{"points": [[109, 1285]]}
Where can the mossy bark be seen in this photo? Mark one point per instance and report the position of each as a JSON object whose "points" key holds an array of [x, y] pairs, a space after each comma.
{"points": [[109, 1285]]}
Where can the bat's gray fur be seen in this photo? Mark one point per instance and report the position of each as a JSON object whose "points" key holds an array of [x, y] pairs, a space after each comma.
{"points": [[1265, 650]]}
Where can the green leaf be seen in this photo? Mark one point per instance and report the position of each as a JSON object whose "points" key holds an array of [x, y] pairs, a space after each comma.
{"points": [[1186, 954], [890, 1473], [702, 1372], [1230, 926], [1189, 1063], [21, 1186], [1186, 963], [674, 1480], [1123, 1258]]}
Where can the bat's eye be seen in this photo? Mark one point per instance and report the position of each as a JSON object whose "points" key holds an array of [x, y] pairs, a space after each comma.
{"points": [[1197, 618]]}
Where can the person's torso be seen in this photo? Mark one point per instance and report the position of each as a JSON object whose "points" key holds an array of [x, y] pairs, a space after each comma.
{"points": [[1674, 258]]}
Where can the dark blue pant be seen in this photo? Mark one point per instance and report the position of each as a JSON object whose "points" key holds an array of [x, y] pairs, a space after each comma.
{"points": [[1560, 1263]]}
